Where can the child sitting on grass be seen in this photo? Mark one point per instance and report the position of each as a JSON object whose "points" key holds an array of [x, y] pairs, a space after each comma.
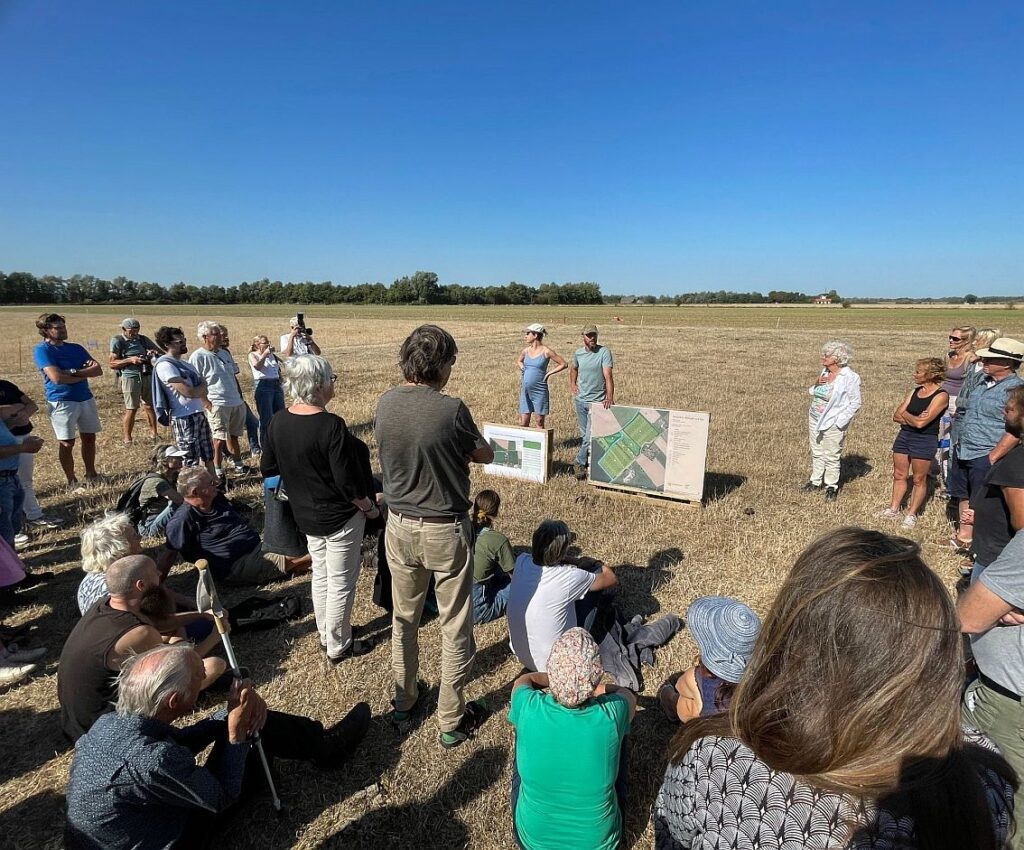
{"points": [[493, 560], [725, 632]]}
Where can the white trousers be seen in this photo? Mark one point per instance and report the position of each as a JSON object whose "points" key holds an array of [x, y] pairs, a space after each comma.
{"points": [[26, 463], [826, 448], [336, 563]]}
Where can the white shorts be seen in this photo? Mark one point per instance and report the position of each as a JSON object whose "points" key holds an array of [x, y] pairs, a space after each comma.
{"points": [[69, 418]]}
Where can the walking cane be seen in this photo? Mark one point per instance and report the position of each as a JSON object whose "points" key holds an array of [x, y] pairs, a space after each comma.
{"points": [[207, 600]]}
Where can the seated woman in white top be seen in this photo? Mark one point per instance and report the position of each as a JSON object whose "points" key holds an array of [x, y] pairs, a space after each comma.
{"points": [[552, 593]]}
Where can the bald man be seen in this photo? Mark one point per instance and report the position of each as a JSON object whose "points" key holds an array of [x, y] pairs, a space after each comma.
{"points": [[111, 630]]}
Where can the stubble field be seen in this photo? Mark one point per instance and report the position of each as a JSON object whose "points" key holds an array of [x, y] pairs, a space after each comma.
{"points": [[749, 367]]}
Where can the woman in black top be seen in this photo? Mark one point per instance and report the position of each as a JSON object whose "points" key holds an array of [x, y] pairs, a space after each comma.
{"points": [[918, 439], [325, 471]]}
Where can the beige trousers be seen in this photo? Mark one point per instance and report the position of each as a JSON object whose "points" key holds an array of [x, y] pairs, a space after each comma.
{"points": [[826, 448], [416, 551]]}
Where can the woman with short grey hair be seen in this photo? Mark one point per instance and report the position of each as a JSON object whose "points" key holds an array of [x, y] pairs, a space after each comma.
{"points": [[835, 400], [112, 537], [552, 592], [326, 477]]}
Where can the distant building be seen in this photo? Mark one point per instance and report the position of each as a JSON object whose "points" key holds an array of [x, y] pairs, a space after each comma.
{"points": [[822, 299]]}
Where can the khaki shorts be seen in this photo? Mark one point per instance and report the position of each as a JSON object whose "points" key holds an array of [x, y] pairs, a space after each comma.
{"points": [[227, 421], [258, 567], [69, 418], [136, 389]]}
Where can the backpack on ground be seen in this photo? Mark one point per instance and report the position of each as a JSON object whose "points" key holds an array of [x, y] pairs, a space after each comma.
{"points": [[129, 502]]}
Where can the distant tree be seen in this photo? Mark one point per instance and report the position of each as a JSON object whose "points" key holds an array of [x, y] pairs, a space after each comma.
{"points": [[970, 298]]}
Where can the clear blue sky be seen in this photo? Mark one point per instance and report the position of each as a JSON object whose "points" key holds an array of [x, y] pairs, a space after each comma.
{"points": [[872, 147]]}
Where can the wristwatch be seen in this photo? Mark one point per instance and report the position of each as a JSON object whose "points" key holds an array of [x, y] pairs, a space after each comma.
{"points": [[73, 371]]}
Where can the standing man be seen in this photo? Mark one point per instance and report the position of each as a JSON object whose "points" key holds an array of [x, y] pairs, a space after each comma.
{"points": [[981, 436], [590, 379], [131, 356], [183, 391], [16, 412], [999, 505], [224, 406], [427, 441], [298, 340], [66, 368]]}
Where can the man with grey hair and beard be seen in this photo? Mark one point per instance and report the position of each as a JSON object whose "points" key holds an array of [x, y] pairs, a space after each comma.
{"points": [[112, 629], [135, 782]]}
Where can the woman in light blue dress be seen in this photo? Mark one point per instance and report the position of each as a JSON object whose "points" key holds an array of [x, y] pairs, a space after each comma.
{"points": [[533, 363]]}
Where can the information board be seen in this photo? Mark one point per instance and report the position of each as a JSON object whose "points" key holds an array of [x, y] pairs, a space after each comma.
{"points": [[649, 450], [523, 453]]}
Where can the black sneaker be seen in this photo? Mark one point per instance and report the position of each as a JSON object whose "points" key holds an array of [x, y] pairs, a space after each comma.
{"points": [[811, 487], [831, 494], [344, 737], [472, 719]]}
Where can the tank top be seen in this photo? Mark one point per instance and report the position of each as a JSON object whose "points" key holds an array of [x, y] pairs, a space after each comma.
{"points": [[86, 687], [708, 684], [955, 378], [919, 405]]}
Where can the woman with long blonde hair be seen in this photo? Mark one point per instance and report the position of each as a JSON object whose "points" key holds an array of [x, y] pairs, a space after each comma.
{"points": [[845, 728]]}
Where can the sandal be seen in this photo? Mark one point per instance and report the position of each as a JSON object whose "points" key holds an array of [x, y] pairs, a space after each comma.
{"points": [[668, 698]]}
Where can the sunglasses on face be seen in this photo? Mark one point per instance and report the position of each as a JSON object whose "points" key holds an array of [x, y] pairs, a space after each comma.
{"points": [[956, 339]]}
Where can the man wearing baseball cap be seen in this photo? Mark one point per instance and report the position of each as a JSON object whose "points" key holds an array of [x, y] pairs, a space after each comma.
{"points": [[131, 358], [981, 435], [156, 493], [590, 380]]}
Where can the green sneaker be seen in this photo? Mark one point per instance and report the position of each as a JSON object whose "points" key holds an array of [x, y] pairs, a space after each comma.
{"points": [[472, 719]]}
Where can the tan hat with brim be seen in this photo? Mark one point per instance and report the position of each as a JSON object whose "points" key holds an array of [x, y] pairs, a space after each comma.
{"points": [[1003, 348], [590, 329]]}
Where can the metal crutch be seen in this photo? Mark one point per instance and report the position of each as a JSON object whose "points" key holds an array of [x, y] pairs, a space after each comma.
{"points": [[207, 600]]}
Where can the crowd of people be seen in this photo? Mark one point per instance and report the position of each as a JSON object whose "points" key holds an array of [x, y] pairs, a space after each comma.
{"points": [[848, 716]]}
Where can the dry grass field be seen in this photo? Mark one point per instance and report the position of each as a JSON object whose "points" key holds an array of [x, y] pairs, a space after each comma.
{"points": [[748, 367]]}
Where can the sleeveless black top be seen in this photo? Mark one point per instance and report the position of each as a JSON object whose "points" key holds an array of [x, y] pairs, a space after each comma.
{"points": [[86, 687], [919, 405]]}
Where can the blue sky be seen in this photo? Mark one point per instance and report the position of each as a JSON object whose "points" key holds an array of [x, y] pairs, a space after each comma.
{"points": [[870, 147]]}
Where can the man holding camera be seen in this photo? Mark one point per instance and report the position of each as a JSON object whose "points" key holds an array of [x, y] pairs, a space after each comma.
{"points": [[299, 340], [131, 358]]}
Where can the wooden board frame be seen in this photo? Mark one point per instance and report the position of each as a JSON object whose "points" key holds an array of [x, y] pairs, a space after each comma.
{"points": [[547, 436], [632, 494]]}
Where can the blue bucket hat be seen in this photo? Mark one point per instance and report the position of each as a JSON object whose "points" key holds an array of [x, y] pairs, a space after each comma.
{"points": [[725, 630]]}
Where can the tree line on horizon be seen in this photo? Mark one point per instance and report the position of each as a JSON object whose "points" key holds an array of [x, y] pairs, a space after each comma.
{"points": [[419, 288]]}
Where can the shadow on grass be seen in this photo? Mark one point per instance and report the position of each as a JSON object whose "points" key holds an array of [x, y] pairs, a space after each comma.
{"points": [[649, 732], [431, 822], [28, 740], [852, 467], [37, 821], [718, 485]]}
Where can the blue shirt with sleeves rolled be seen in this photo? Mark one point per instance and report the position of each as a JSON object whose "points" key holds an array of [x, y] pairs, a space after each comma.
{"points": [[983, 425], [70, 355], [8, 464], [135, 782]]}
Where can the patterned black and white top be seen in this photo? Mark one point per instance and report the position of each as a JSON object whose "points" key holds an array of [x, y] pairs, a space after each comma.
{"points": [[723, 797]]}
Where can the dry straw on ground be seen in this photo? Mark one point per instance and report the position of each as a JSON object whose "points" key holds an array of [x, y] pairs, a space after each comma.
{"points": [[748, 367]]}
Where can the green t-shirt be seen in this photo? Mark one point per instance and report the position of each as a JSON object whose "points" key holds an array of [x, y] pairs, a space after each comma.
{"points": [[153, 495], [491, 552], [591, 365], [568, 759]]}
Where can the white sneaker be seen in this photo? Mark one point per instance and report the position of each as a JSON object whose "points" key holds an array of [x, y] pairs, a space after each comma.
{"points": [[45, 522], [909, 521], [888, 513], [14, 654], [21, 541], [11, 674]]}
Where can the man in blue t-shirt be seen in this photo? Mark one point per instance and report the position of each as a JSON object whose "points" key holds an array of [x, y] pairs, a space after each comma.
{"points": [[590, 380], [66, 368]]}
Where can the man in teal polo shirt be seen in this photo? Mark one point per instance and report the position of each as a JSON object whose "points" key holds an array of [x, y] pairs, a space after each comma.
{"points": [[66, 368], [590, 380]]}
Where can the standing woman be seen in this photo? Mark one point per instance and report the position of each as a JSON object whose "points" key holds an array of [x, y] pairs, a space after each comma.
{"points": [[330, 491], [266, 378], [958, 362], [533, 363], [845, 729], [835, 400], [915, 445]]}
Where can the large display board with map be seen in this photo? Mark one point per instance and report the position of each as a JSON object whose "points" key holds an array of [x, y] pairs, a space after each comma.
{"points": [[519, 452], [649, 450]]}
